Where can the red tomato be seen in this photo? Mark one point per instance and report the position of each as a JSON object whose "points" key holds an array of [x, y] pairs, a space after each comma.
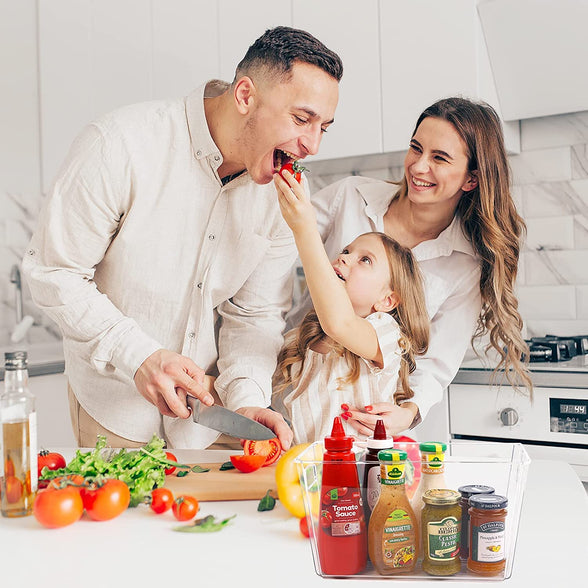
{"points": [[271, 449], [412, 469], [58, 508], [75, 481], [303, 524], [294, 168], [247, 463], [14, 489], [52, 460], [171, 469], [185, 507], [9, 467], [161, 500], [106, 500]]}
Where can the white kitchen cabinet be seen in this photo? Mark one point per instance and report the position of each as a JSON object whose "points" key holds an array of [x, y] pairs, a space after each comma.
{"points": [[428, 52], [353, 34], [52, 405]]}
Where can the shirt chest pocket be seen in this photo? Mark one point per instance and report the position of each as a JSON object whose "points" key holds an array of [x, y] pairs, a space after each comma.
{"points": [[235, 262]]}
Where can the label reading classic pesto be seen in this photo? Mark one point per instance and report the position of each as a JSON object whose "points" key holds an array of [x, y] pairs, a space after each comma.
{"points": [[443, 539]]}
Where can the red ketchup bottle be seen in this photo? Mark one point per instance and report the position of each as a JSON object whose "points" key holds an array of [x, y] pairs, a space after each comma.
{"points": [[342, 533]]}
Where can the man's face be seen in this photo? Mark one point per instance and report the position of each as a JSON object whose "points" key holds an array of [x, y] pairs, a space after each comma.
{"points": [[288, 120]]}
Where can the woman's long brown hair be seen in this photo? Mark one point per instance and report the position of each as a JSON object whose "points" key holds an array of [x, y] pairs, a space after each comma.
{"points": [[490, 221], [410, 314]]}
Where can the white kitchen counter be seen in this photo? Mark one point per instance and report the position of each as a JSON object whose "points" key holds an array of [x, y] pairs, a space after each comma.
{"points": [[266, 548]]}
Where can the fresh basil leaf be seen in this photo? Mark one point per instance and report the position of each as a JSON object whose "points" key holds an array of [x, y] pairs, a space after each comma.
{"points": [[182, 473], [267, 502], [199, 469], [204, 525], [227, 466]]}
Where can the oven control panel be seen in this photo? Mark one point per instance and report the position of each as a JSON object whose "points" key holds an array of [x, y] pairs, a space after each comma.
{"points": [[568, 415]]}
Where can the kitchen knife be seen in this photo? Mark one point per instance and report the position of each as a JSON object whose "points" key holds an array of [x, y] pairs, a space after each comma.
{"points": [[226, 421]]}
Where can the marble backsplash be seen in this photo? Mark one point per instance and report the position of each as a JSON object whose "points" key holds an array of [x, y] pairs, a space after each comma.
{"points": [[550, 178]]}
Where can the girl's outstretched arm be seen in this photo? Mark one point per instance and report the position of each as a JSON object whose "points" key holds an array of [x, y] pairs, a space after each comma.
{"points": [[331, 302]]}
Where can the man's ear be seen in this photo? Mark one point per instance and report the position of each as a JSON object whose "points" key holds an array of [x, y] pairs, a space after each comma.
{"points": [[472, 181], [244, 94], [388, 303]]}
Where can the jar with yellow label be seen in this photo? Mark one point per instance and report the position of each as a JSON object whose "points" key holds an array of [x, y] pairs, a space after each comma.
{"points": [[440, 529]]}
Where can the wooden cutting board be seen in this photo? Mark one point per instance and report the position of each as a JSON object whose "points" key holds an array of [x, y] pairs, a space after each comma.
{"points": [[232, 484]]}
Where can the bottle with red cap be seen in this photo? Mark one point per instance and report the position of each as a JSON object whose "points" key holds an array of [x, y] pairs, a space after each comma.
{"points": [[342, 533], [371, 474]]}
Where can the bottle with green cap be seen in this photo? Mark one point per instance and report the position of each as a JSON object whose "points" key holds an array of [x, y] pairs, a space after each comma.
{"points": [[432, 474], [393, 535]]}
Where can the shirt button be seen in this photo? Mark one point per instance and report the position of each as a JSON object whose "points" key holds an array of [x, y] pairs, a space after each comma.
{"points": [[211, 237], [199, 285], [217, 157], [199, 153], [191, 335]]}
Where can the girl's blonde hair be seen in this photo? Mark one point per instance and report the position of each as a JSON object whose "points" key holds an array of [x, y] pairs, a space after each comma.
{"points": [[410, 314], [490, 221]]}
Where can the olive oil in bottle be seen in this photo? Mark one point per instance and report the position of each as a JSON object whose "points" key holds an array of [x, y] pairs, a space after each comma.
{"points": [[18, 424]]}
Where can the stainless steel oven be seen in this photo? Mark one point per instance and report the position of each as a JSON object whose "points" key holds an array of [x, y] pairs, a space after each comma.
{"points": [[554, 425]]}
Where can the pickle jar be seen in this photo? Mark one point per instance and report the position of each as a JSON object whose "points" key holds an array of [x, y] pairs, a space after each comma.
{"points": [[440, 530], [487, 532], [466, 492]]}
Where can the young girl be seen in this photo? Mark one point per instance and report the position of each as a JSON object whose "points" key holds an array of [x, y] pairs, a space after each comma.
{"points": [[357, 346]]}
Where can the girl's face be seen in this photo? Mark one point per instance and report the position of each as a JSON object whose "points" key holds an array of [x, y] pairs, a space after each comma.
{"points": [[436, 165], [363, 266]]}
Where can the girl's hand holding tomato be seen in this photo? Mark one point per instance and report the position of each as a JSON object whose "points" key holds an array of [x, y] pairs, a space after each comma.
{"points": [[295, 204]]}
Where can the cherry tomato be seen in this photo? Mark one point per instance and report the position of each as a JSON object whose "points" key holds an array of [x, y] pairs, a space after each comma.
{"points": [[75, 481], [247, 463], [171, 469], [294, 168], [185, 507], [161, 500], [303, 524], [106, 500], [58, 508], [271, 448], [14, 489], [50, 459]]}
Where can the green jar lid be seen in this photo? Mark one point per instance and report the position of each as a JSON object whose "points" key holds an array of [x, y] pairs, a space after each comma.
{"points": [[440, 496], [433, 447], [392, 455]]}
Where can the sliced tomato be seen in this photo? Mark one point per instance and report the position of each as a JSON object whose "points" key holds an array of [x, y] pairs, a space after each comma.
{"points": [[171, 457], [247, 463], [271, 449]]}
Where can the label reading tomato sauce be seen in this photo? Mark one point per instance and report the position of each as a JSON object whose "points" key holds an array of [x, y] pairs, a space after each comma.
{"points": [[342, 512], [488, 542], [397, 547]]}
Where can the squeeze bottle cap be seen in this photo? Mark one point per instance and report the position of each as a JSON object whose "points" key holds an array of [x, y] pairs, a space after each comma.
{"points": [[380, 440], [338, 441]]}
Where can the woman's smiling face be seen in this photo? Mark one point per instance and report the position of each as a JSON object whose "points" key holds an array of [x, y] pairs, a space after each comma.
{"points": [[436, 165]]}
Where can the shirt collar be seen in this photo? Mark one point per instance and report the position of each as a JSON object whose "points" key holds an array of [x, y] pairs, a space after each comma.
{"points": [[202, 143], [378, 195]]}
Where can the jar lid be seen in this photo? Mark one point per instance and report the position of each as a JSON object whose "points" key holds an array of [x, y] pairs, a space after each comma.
{"points": [[15, 360], [441, 496], [392, 455], [433, 447], [471, 489], [488, 501]]}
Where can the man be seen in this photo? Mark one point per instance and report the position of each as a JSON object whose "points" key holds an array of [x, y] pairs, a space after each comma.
{"points": [[161, 252]]}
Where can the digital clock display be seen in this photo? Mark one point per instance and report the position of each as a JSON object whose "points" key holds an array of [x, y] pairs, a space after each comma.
{"points": [[573, 408], [568, 415]]}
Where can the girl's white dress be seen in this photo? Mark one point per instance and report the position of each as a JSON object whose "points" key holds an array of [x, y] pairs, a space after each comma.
{"points": [[316, 400]]}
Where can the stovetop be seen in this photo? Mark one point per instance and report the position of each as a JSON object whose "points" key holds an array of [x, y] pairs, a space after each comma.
{"points": [[555, 348]]}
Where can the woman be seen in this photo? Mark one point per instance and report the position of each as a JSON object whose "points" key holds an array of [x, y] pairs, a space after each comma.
{"points": [[454, 209]]}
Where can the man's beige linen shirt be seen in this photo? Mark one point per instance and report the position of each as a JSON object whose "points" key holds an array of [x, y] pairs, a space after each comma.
{"points": [[140, 247]]}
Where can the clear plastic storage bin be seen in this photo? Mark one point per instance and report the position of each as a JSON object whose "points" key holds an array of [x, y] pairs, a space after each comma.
{"points": [[503, 466]]}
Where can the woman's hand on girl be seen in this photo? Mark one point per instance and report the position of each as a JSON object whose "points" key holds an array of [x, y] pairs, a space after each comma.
{"points": [[396, 418], [295, 204]]}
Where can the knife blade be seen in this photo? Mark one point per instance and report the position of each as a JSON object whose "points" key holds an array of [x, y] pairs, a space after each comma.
{"points": [[226, 421]]}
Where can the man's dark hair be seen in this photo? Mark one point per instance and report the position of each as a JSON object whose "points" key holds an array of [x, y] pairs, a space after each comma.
{"points": [[276, 51]]}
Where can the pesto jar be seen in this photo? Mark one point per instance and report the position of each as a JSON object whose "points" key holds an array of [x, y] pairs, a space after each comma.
{"points": [[440, 527]]}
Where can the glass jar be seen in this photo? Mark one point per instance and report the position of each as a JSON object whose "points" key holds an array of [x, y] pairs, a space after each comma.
{"points": [[440, 526], [466, 492], [487, 555]]}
